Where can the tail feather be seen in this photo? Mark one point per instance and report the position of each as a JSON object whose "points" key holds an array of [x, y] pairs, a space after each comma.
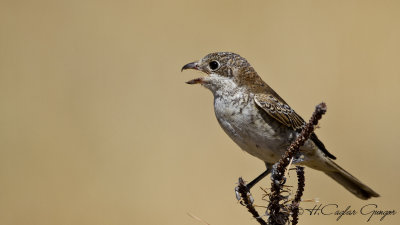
{"points": [[349, 182]]}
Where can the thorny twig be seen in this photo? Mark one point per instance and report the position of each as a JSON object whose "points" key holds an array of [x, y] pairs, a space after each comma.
{"points": [[279, 213]]}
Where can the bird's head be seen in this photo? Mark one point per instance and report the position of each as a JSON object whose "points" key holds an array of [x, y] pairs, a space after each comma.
{"points": [[224, 70]]}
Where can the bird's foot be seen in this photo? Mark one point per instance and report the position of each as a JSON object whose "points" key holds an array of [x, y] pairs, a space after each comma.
{"points": [[298, 159], [274, 175], [243, 194]]}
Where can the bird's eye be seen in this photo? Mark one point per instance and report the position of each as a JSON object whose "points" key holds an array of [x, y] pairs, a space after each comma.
{"points": [[214, 65]]}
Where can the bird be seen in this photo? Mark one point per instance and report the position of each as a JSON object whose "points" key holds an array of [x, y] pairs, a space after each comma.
{"points": [[260, 122]]}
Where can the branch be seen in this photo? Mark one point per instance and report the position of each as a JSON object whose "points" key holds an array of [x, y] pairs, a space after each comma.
{"points": [[279, 213], [300, 189], [278, 216], [246, 201]]}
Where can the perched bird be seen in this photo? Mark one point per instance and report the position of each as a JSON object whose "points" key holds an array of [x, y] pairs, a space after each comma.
{"points": [[257, 119]]}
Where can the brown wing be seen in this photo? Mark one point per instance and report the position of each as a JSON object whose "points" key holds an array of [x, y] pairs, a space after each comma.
{"points": [[279, 111], [284, 114]]}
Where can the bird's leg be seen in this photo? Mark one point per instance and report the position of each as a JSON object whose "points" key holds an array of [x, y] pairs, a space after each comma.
{"points": [[257, 179], [251, 184]]}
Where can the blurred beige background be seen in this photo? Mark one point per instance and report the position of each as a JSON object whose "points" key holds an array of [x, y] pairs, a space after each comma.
{"points": [[98, 127]]}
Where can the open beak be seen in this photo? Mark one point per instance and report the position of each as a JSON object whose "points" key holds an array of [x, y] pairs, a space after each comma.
{"points": [[193, 66]]}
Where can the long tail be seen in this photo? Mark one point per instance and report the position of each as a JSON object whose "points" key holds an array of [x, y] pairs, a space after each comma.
{"points": [[349, 182]]}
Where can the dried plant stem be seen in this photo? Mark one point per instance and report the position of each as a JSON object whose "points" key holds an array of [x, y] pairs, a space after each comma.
{"points": [[276, 215], [300, 189], [279, 213], [246, 201]]}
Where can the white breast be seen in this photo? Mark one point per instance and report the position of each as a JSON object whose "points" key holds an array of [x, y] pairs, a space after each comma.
{"points": [[238, 116]]}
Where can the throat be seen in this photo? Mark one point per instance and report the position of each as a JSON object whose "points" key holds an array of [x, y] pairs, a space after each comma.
{"points": [[229, 103], [220, 86]]}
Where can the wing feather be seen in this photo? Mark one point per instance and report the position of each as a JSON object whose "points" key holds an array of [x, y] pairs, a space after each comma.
{"points": [[279, 111]]}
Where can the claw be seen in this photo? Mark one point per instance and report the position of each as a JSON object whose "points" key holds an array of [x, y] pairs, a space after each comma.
{"points": [[298, 159], [248, 194], [237, 193], [250, 198]]}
